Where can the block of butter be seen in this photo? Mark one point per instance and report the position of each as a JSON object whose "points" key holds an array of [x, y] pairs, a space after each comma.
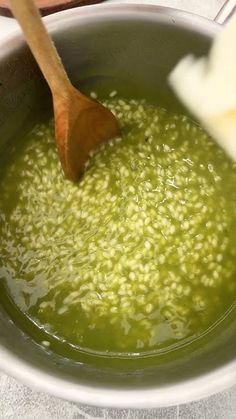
{"points": [[207, 87]]}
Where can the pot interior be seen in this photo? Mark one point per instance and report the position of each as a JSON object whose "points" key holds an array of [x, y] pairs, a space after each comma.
{"points": [[132, 53]]}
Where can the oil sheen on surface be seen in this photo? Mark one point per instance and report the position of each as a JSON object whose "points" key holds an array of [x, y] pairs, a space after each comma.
{"points": [[136, 257]]}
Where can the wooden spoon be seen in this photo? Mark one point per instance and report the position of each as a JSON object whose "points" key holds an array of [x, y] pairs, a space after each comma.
{"points": [[81, 124]]}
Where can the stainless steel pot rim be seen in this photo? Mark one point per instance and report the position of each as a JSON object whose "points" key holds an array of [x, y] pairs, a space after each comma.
{"points": [[171, 395], [182, 392], [113, 11]]}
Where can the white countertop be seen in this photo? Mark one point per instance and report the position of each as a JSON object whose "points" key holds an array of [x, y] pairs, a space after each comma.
{"points": [[19, 402]]}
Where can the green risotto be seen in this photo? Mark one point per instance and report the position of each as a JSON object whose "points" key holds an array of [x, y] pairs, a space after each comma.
{"points": [[140, 254]]}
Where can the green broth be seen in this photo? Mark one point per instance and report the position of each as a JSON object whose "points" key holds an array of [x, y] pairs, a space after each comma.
{"points": [[137, 256]]}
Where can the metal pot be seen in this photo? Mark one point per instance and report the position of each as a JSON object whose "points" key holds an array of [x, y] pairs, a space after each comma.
{"points": [[132, 48]]}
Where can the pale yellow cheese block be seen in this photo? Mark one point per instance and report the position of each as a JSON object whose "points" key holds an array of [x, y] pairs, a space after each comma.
{"points": [[207, 87]]}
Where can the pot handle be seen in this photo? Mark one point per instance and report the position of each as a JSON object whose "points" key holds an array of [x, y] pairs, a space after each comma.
{"points": [[226, 12]]}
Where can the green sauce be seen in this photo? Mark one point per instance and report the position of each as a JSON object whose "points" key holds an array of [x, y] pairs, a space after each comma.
{"points": [[140, 254]]}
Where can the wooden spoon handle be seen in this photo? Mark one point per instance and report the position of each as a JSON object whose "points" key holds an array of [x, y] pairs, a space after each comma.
{"points": [[41, 45]]}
